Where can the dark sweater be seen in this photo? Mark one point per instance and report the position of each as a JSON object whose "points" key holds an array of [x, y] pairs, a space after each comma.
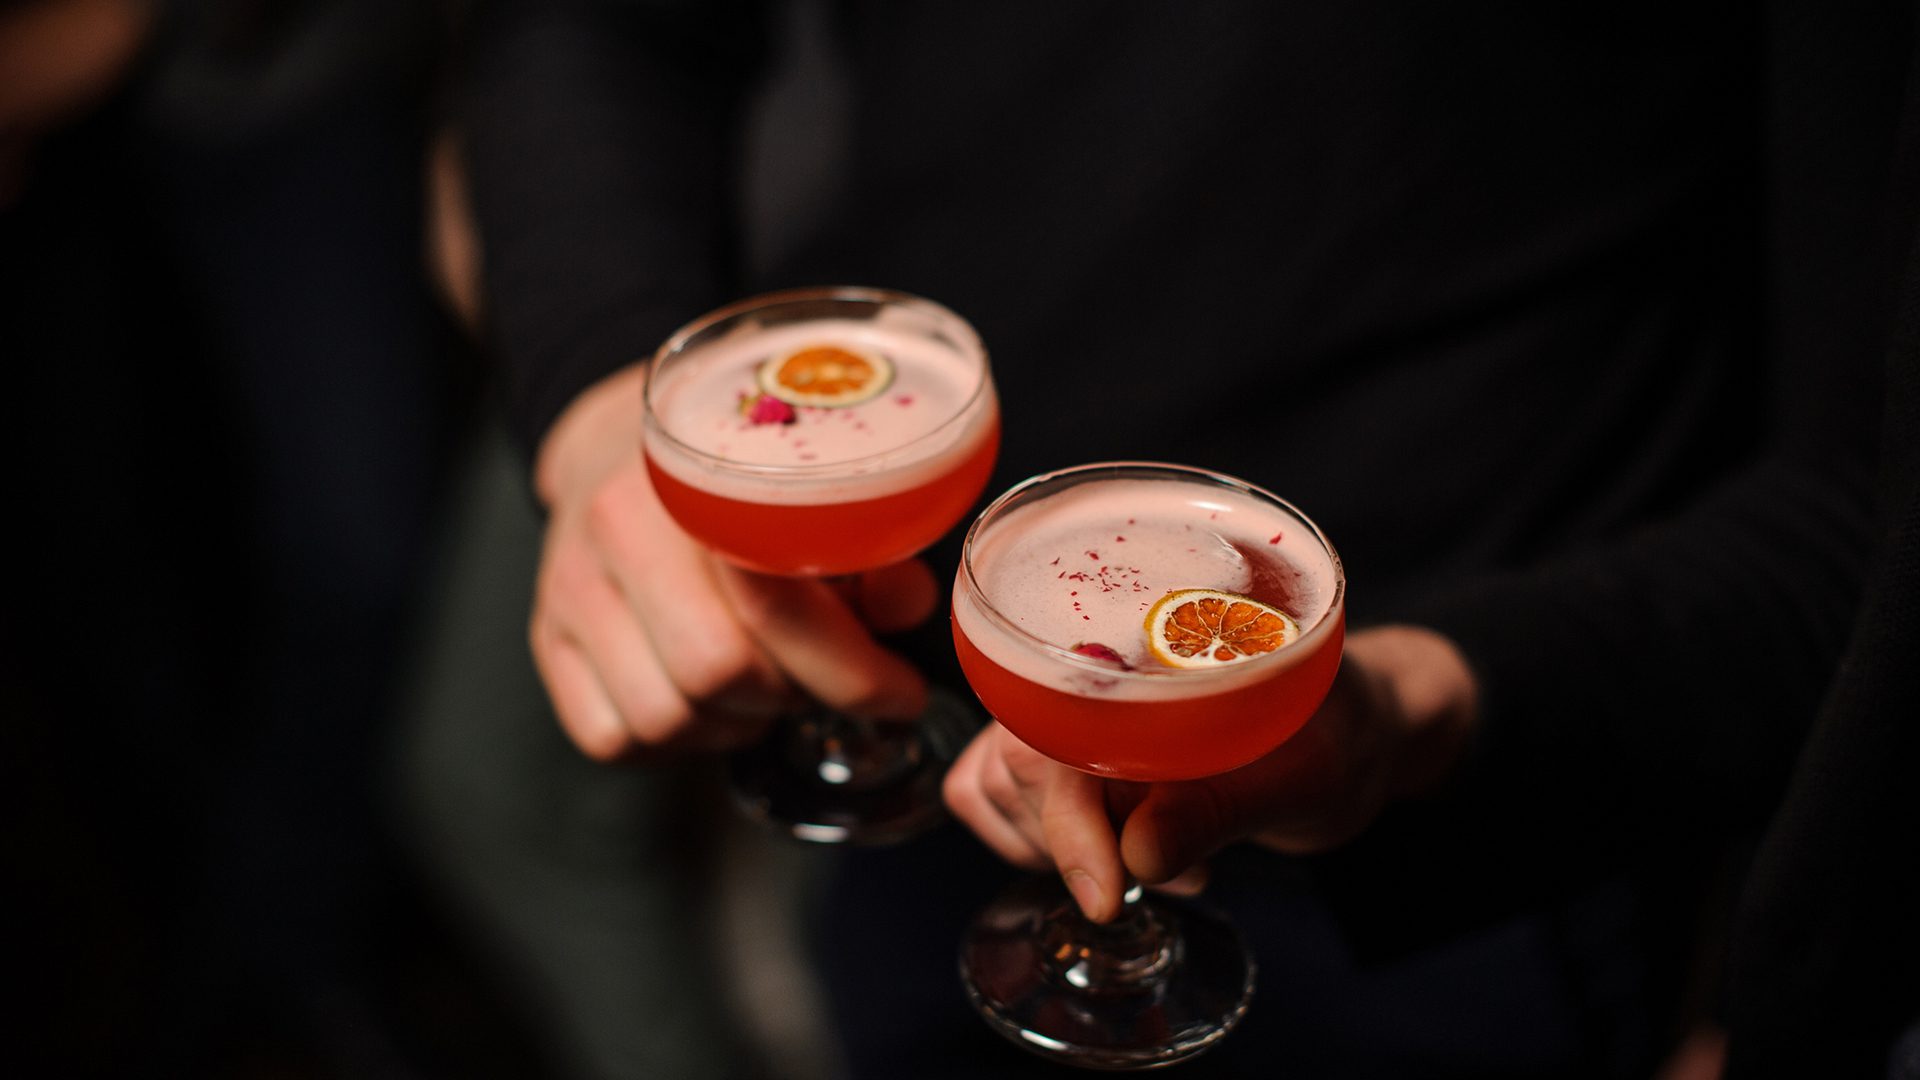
{"points": [[1826, 957], [1556, 317]]}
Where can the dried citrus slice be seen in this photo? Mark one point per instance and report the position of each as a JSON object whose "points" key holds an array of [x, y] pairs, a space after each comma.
{"points": [[825, 376], [1199, 628]]}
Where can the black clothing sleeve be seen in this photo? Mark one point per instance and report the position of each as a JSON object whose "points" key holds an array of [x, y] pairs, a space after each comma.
{"points": [[598, 139], [1655, 691], [1649, 693], [1824, 972]]}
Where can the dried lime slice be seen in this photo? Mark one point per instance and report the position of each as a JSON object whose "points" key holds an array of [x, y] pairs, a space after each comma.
{"points": [[826, 376], [1201, 628]]}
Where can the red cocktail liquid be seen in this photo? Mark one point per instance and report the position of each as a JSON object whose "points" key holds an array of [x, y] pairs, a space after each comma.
{"points": [[818, 539], [1181, 738]]}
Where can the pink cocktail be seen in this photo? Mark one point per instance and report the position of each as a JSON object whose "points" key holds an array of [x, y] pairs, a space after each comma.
{"points": [[1082, 559], [820, 433], [788, 486], [1143, 622]]}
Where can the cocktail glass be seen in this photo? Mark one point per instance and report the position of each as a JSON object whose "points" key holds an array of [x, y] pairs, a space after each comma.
{"points": [[1058, 585], [879, 445]]}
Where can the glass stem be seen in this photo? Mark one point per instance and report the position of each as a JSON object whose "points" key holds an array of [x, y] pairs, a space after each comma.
{"points": [[1129, 955], [852, 752], [855, 753]]}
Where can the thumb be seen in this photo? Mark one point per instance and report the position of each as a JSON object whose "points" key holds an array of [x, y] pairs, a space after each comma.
{"points": [[1177, 826], [896, 597], [823, 646]]}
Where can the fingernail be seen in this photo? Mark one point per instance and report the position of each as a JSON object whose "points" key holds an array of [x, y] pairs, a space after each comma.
{"points": [[1086, 891]]}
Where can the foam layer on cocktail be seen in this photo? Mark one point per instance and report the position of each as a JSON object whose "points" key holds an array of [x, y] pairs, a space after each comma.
{"points": [[1085, 565], [938, 410]]}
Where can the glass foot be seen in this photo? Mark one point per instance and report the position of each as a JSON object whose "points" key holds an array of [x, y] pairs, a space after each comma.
{"points": [[1160, 984], [831, 779]]}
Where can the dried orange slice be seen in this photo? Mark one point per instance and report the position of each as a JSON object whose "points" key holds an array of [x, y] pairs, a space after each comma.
{"points": [[826, 376], [1200, 628]]}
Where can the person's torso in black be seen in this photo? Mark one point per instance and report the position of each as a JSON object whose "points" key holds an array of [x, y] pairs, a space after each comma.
{"points": [[1465, 282]]}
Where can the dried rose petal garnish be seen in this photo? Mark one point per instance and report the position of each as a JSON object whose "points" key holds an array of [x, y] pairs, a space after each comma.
{"points": [[1097, 651], [766, 409]]}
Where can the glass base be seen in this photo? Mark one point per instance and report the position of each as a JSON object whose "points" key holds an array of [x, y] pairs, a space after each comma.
{"points": [[826, 778], [1160, 984]]}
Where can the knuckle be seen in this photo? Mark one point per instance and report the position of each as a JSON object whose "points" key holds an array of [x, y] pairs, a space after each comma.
{"points": [[601, 742], [565, 579], [968, 794], [543, 646], [605, 513], [1027, 765], [960, 793], [1000, 790], [662, 723], [1031, 860], [714, 663]]}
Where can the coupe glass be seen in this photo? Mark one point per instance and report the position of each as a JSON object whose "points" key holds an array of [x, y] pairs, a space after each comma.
{"points": [[782, 486], [1058, 590]]}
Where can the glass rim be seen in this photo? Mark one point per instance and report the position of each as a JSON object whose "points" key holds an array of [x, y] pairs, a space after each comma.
{"points": [[977, 595], [878, 297]]}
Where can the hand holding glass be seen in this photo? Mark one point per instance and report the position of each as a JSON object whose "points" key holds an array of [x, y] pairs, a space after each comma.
{"points": [[1140, 622], [821, 433]]}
